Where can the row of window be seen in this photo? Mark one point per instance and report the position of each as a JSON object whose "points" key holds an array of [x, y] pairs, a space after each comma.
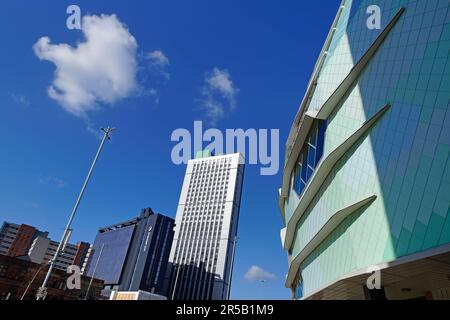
{"points": [[215, 172], [193, 195], [202, 217], [207, 187], [198, 185], [207, 167], [211, 179], [205, 201], [211, 208]]}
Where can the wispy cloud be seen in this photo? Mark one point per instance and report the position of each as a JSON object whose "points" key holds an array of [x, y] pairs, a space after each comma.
{"points": [[158, 63], [218, 95], [53, 181], [102, 69], [94, 130], [158, 58], [256, 273], [154, 74], [20, 99], [154, 93]]}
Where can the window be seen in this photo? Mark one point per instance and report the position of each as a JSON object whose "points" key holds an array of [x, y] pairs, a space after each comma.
{"points": [[3, 269], [309, 157]]}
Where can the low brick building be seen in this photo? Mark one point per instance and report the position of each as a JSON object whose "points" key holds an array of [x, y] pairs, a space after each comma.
{"points": [[17, 274]]}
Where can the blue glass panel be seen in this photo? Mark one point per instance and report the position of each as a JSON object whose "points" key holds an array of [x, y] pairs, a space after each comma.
{"points": [[310, 172], [312, 157], [313, 135], [320, 141], [302, 187], [322, 127]]}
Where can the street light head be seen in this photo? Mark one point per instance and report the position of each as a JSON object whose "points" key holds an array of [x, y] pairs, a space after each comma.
{"points": [[109, 129]]}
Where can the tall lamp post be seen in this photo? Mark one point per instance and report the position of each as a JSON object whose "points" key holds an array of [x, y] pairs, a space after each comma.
{"points": [[42, 292], [232, 267], [176, 281], [93, 273]]}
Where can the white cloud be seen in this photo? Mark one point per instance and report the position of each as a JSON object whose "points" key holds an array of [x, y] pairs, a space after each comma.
{"points": [[102, 69], [54, 181], [256, 273], [218, 95], [158, 58]]}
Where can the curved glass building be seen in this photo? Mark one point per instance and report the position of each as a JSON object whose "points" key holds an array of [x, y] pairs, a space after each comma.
{"points": [[366, 181]]}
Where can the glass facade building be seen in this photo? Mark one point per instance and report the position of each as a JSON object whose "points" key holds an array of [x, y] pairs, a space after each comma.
{"points": [[366, 178], [133, 255]]}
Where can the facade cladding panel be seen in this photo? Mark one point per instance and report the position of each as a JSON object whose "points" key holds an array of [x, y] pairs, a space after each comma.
{"points": [[402, 159]]}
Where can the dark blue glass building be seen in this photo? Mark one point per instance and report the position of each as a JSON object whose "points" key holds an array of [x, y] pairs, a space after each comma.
{"points": [[133, 255]]}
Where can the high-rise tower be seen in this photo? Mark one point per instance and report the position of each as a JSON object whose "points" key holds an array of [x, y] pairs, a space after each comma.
{"points": [[206, 227]]}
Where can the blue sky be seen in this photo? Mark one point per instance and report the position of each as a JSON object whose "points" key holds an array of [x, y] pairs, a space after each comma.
{"points": [[264, 51]]}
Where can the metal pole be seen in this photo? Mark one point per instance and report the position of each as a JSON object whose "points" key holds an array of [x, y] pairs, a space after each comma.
{"points": [[176, 281], [93, 273], [43, 289], [232, 267], [32, 280]]}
